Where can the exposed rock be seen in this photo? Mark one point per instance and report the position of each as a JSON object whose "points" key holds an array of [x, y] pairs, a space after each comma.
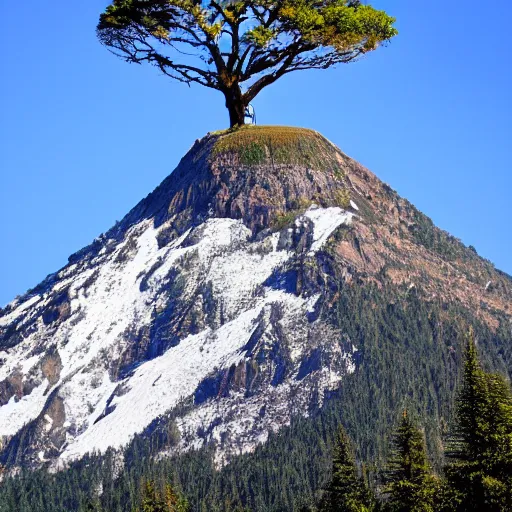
{"points": [[213, 297], [51, 366]]}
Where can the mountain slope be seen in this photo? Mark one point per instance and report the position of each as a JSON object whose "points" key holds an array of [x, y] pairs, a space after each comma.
{"points": [[264, 273]]}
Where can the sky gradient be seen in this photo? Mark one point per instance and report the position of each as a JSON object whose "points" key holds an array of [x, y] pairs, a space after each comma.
{"points": [[84, 136]]}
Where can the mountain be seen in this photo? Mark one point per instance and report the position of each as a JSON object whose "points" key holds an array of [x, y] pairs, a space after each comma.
{"points": [[269, 281]]}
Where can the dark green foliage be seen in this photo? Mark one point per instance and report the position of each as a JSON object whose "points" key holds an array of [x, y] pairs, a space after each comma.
{"points": [[151, 500], [346, 492], [480, 476], [408, 356], [469, 434], [155, 501], [410, 484]]}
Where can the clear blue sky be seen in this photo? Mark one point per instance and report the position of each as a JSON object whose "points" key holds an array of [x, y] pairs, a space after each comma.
{"points": [[84, 136]]}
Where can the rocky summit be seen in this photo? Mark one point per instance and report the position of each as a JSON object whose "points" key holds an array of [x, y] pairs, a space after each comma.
{"points": [[267, 276]]}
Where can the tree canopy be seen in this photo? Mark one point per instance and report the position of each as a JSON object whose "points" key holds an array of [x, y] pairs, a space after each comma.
{"points": [[411, 485], [346, 492], [240, 47], [480, 476]]}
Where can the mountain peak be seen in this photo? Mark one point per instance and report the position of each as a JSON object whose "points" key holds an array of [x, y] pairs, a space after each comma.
{"points": [[256, 173], [210, 305]]}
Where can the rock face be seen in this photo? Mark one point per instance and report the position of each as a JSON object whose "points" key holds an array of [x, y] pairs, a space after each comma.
{"points": [[209, 302]]}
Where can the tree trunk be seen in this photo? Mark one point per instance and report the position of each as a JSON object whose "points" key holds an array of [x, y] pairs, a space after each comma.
{"points": [[235, 105]]}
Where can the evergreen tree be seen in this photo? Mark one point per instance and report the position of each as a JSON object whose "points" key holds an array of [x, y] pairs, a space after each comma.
{"points": [[470, 431], [480, 477], [151, 500], [346, 492], [174, 501], [411, 485], [171, 501]]}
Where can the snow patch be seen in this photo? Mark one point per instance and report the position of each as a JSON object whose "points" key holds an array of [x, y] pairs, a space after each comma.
{"points": [[7, 319], [16, 413], [107, 300], [325, 221]]}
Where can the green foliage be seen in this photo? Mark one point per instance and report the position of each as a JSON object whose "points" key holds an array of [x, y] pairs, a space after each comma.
{"points": [[155, 501], [261, 40], [411, 485], [252, 154], [259, 36], [480, 477], [343, 198], [151, 501], [286, 219], [470, 437], [282, 145], [283, 220], [175, 502], [408, 355], [342, 25], [346, 492]]}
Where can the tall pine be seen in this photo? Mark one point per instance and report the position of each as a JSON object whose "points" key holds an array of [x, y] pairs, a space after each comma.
{"points": [[411, 487], [346, 492], [175, 501], [470, 432], [151, 500], [171, 501], [480, 474]]}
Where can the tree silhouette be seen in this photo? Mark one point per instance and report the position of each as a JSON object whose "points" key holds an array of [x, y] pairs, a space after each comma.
{"points": [[240, 47]]}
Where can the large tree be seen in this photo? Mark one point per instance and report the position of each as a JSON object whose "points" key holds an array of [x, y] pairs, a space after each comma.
{"points": [[346, 492], [480, 476], [240, 47], [411, 485], [153, 500]]}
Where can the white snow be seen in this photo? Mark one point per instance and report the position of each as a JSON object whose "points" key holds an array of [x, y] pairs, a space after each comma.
{"points": [[243, 426], [7, 319], [29, 363], [157, 385], [354, 205], [101, 315], [311, 303], [325, 221], [14, 414]]}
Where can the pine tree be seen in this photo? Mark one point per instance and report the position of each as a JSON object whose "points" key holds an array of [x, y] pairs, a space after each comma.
{"points": [[470, 431], [174, 501], [498, 455], [411, 487], [480, 477], [151, 501], [346, 492]]}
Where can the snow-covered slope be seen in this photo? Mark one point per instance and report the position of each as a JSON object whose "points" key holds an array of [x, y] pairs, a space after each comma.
{"points": [[227, 284], [212, 311]]}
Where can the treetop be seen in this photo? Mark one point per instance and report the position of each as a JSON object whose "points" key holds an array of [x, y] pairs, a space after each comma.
{"points": [[227, 45]]}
